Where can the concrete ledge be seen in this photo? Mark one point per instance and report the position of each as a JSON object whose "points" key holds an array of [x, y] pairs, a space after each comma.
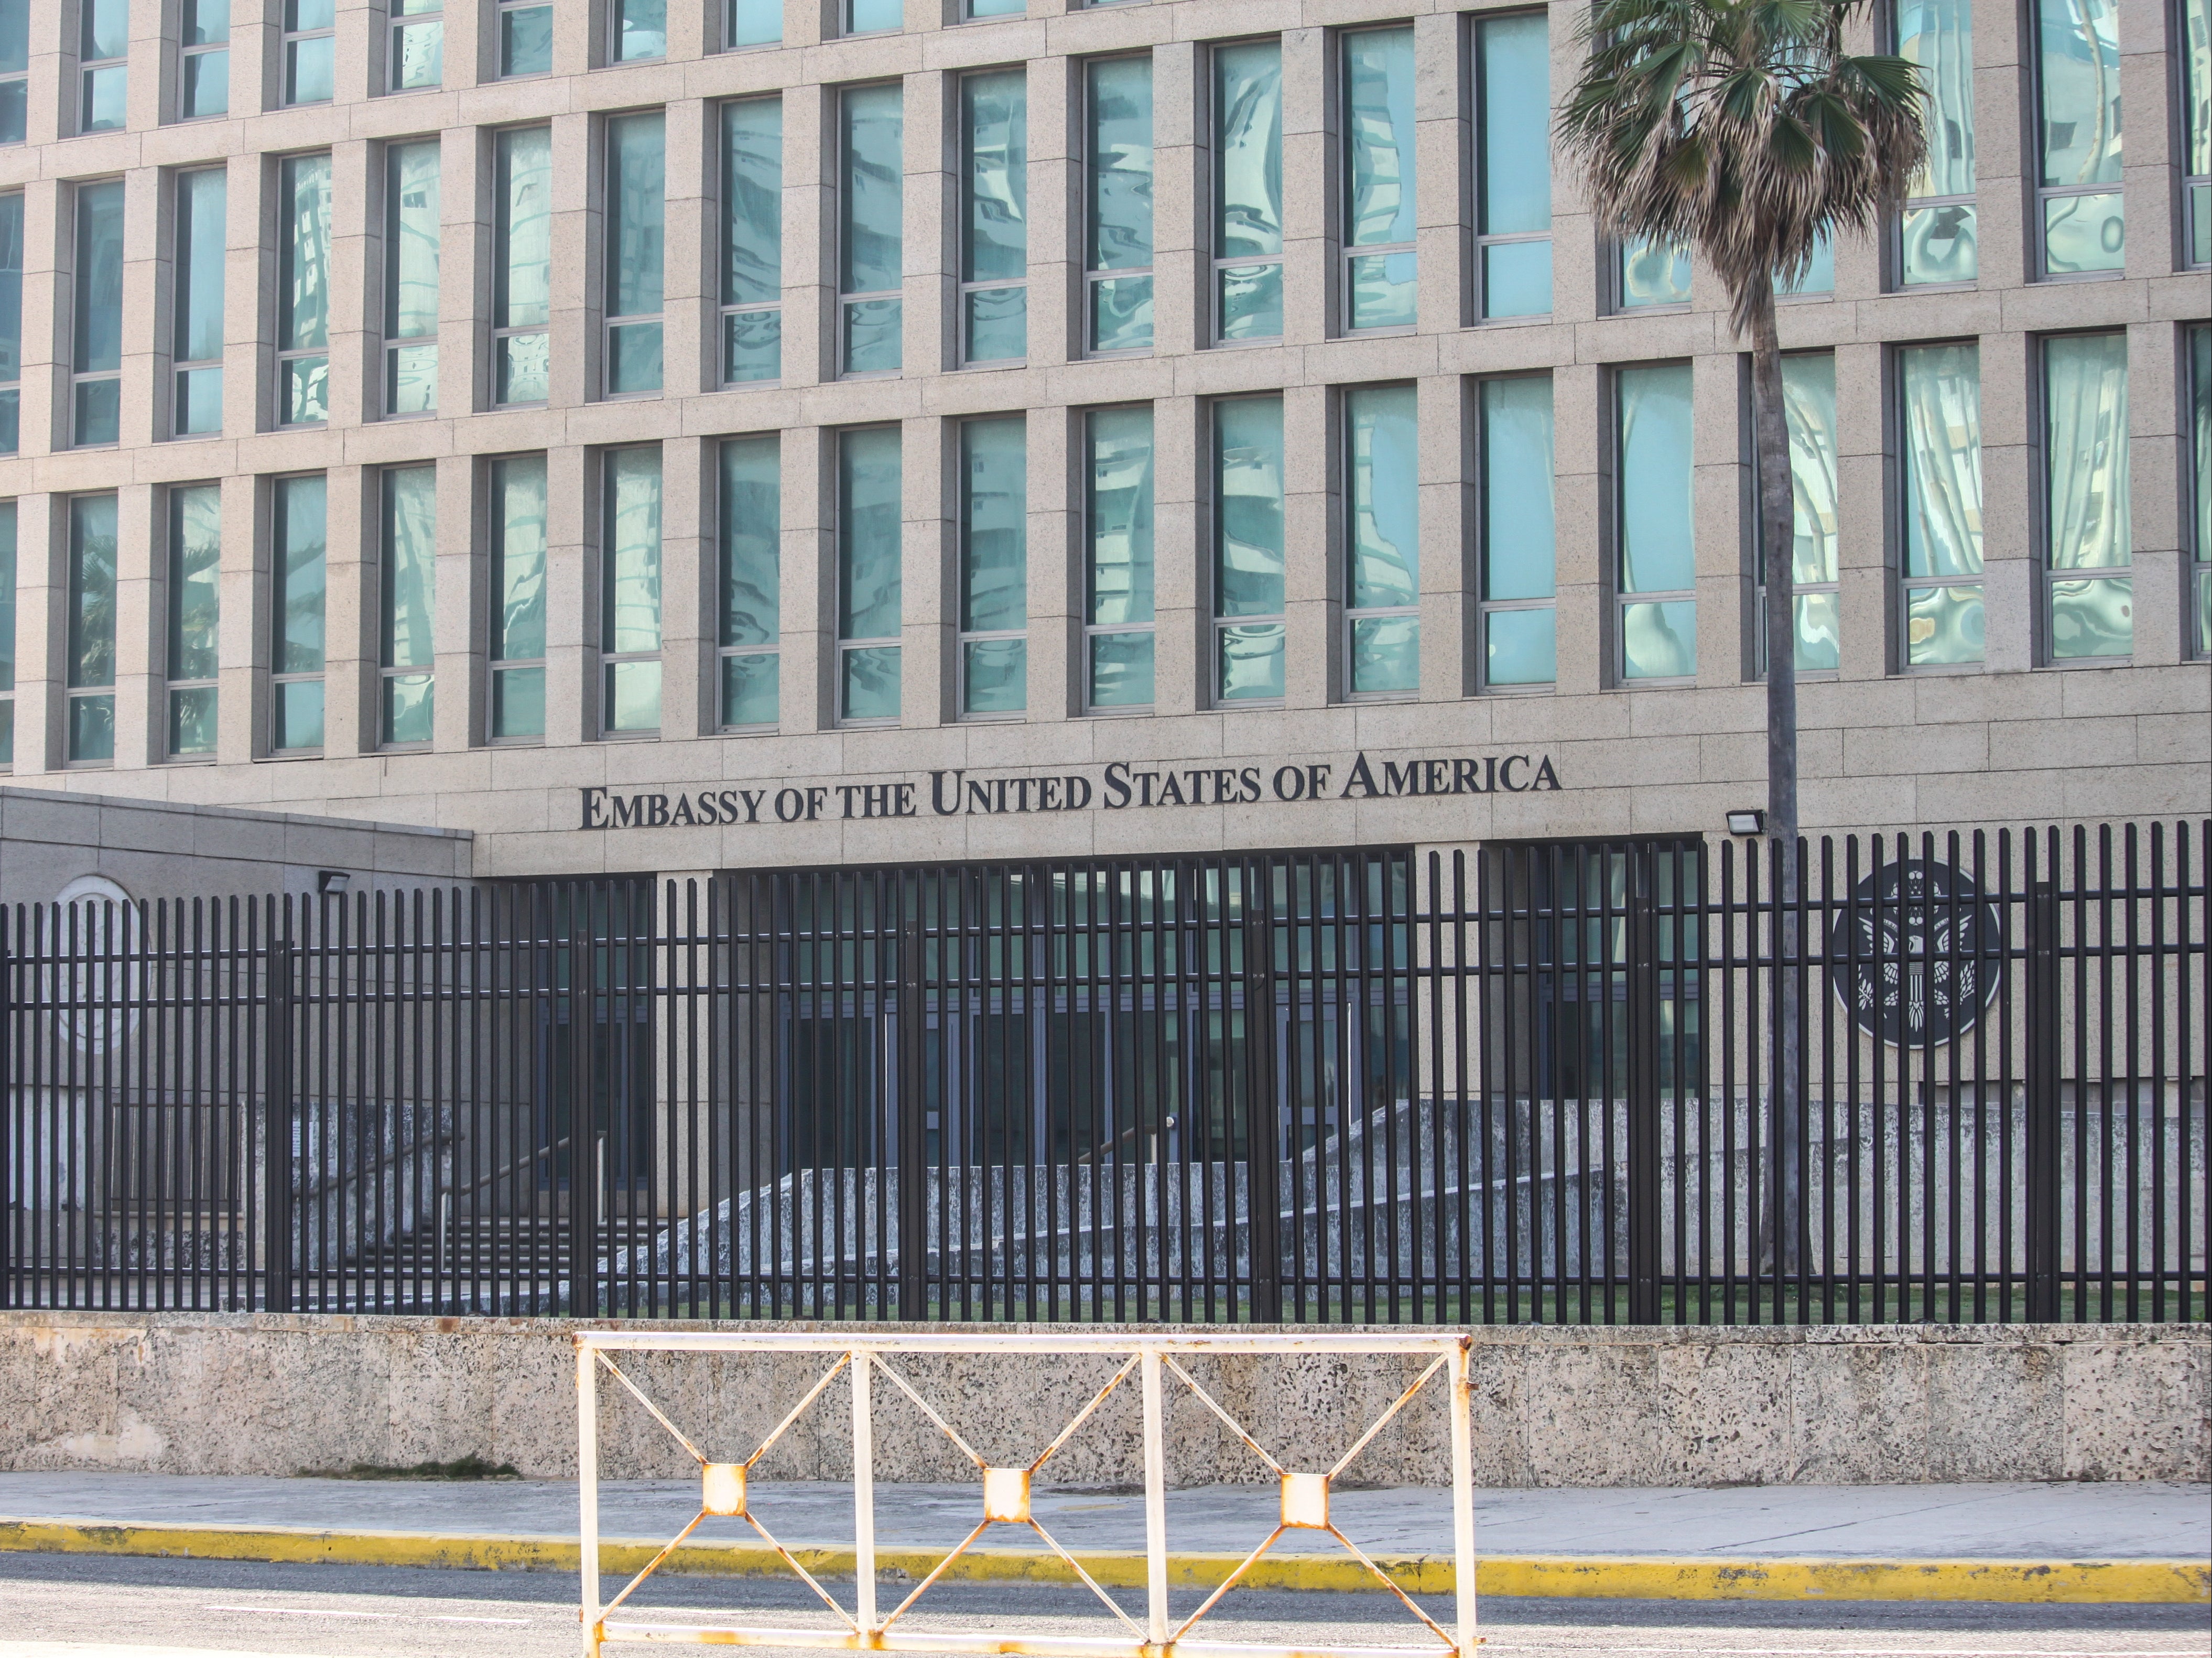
{"points": [[2082, 1582]]}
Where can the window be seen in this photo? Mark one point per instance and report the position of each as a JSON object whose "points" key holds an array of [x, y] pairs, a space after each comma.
{"points": [[752, 240], [637, 157], [1818, 276], [310, 50], [1380, 205], [1646, 275], [870, 16], [1936, 235], [1248, 192], [15, 73], [203, 59], [975, 8], [868, 554], [2078, 83], [1656, 576], [752, 526], [1940, 422], [1247, 550], [754, 23], [640, 30], [526, 37], [416, 60], [1518, 532], [11, 320], [2199, 339], [102, 51], [196, 345], [871, 242], [522, 265], [96, 363], [1118, 534], [303, 291], [410, 277], [7, 633], [90, 722], [1382, 543], [630, 592], [2195, 54], [995, 172], [1809, 412], [195, 613], [517, 598], [408, 595], [299, 583], [1513, 185], [2089, 610], [993, 565], [1118, 204]]}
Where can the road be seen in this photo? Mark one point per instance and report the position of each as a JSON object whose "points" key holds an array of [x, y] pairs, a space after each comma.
{"points": [[90, 1606]]}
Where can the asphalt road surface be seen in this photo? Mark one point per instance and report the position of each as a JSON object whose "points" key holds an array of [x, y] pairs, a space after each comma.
{"points": [[89, 1606]]}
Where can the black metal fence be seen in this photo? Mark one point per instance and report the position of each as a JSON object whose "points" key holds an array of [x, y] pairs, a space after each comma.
{"points": [[1531, 1082]]}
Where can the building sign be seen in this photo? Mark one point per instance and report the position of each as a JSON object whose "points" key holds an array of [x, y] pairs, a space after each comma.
{"points": [[1119, 786], [1919, 954]]}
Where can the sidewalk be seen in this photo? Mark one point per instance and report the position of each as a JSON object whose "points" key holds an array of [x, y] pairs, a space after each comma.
{"points": [[2119, 1541]]}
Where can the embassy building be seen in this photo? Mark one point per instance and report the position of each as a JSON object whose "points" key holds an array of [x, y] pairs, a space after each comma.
{"points": [[684, 435]]}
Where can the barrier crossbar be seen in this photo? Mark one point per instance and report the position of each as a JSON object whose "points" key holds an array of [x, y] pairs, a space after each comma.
{"points": [[1155, 1361]]}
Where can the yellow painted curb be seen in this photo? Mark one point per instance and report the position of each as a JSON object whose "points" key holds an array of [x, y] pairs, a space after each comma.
{"points": [[2130, 1582]]}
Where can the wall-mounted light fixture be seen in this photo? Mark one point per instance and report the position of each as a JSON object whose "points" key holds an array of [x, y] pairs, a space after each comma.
{"points": [[1746, 823], [331, 881]]}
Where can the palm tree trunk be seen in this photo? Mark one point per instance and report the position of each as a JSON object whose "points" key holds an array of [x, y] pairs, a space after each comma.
{"points": [[1778, 540]]}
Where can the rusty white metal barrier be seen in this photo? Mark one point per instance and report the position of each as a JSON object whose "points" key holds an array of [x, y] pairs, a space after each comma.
{"points": [[1004, 1495]]}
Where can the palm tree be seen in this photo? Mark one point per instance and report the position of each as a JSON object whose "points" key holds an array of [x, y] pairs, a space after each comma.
{"points": [[1743, 129]]}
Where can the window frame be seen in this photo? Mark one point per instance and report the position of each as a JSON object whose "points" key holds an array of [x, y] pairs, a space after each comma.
{"points": [[964, 196], [1756, 527], [11, 320], [1616, 552], [502, 262], [2196, 216], [1895, 280], [504, 10], [845, 31], [1215, 263], [842, 646], [612, 45], [2047, 575], [1087, 226], [89, 67], [841, 321], [725, 571], [393, 345], [730, 41], [1486, 606], [1902, 583], [1350, 618], [290, 39], [277, 677], [2040, 194], [79, 377], [1217, 623], [1091, 628], [189, 53], [609, 323], [397, 24], [607, 659], [965, 532], [171, 502], [77, 692], [1616, 281], [1348, 252], [727, 312], [2196, 342], [180, 266], [1480, 240], [495, 546], [386, 589], [287, 249]]}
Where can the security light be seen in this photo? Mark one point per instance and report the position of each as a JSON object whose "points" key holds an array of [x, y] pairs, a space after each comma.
{"points": [[1746, 823], [331, 881]]}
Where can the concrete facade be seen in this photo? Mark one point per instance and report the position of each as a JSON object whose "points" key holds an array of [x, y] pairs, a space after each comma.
{"points": [[2017, 739], [1555, 1406]]}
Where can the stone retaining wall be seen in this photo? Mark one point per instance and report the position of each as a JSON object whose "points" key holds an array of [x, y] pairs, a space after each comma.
{"points": [[283, 1394]]}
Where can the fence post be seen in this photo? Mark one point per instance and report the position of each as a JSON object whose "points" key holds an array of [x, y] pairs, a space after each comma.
{"points": [[583, 994], [12, 1094], [2044, 1221], [1644, 1130], [913, 1149], [1261, 1141], [277, 1151]]}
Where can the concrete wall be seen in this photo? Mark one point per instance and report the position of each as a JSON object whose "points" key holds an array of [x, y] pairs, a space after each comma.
{"points": [[270, 1394], [152, 850]]}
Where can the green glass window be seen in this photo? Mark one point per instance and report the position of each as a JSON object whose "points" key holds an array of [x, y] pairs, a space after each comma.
{"points": [[2200, 443], [1381, 209], [96, 388], [2090, 609], [298, 592], [1656, 571], [752, 239], [410, 278], [1381, 542], [630, 591], [407, 586], [754, 23], [1118, 204], [2196, 51], [1118, 534], [196, 344], [204, 43], [637, 210], [995, 194], [1247, 549], [1513, 201], [1248, 191], [7, 633], [195, 613], [2077, 59], [868, 576], [752, 564], [870, 16], [303, 291], [1519, 537], [993, 565], [526, 37], [11, 320], [870, 241], [522, 265], [1648, 275], [1935, 238], [415, 54], [1809, 408], [518, 596], [15, 79], [639, 29], [1939, 418], [91, 628], [103, 46], [310, 48]]}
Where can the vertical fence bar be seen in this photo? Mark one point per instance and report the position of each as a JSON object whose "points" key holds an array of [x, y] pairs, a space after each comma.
{"points": [[1646, 1202], [2044, 1220]]}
